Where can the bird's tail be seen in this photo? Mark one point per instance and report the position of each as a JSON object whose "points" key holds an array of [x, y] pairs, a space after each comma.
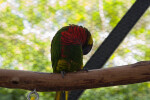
{"points": [[59, 95]]}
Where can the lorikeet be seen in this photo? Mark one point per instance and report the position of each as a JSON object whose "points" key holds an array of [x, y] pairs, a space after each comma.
{"points": [[67, 49]]}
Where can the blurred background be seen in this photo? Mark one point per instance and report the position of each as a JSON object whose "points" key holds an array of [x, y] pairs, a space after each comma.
{"points": [[28, 26]]}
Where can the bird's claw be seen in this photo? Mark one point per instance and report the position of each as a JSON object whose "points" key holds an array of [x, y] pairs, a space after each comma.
{"points": [[84, 69], [62, 74]]}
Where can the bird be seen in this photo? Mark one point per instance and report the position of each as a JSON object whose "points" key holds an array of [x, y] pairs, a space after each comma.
{"points": [[68, 46]]}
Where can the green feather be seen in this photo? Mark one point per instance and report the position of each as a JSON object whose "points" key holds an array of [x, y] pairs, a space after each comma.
{"points": [[55, 51]]}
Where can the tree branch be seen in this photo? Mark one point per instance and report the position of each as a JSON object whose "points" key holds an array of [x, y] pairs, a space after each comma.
{"points": [[121, 75]]}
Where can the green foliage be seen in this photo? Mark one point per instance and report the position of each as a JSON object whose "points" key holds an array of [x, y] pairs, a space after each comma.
{"points": [[27, 26], [126, 92]]}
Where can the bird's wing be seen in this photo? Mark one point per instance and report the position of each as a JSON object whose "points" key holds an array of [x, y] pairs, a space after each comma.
{"points": [[55, 50]]}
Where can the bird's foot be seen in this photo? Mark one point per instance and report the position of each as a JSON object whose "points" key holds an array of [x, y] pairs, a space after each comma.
{"points": [[63, 73], [84, 69]]}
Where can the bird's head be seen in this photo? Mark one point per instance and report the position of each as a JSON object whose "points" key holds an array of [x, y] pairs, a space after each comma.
{"points": [[86, 48]]}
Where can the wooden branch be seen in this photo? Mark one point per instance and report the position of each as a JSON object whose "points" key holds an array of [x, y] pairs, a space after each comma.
{"points": [[121, 75]]}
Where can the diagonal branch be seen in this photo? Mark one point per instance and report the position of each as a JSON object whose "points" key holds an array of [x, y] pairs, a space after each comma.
{"points": [[122, 75]]}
